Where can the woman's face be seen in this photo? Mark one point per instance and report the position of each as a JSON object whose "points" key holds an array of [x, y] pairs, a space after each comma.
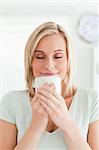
{"points": [[50, 57]]}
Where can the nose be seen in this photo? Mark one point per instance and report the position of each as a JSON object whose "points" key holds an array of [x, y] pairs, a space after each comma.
{"points": [[49, 63]]}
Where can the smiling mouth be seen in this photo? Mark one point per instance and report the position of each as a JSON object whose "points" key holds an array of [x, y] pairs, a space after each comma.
{"points": [[49, 74]]}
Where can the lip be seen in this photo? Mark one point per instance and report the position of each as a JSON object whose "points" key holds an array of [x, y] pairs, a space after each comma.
{"points": [[49, 74]]}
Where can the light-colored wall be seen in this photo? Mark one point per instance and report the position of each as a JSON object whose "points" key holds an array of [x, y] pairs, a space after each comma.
{"points": [[16, 24]]}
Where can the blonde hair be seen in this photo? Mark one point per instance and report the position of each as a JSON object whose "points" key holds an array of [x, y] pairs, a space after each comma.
{"points": [[43, 30]]}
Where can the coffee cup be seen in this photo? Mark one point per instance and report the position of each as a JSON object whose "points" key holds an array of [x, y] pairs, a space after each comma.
{"points": [[56, 80]]}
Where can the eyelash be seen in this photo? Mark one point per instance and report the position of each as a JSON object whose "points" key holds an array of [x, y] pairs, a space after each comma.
{"points": [[43, 57], [58, 57]]}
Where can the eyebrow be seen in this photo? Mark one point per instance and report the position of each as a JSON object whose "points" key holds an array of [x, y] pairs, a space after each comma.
{"points": [[44, 51]]}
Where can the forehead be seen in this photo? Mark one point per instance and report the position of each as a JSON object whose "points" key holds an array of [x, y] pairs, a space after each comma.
{"points": [[52, 42]]}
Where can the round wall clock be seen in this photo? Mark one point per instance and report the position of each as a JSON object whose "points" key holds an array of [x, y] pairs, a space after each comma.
{"points": [[88, 28]]}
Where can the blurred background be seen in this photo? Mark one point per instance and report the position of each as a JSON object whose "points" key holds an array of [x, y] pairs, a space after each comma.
{"points": [[19, 18]]}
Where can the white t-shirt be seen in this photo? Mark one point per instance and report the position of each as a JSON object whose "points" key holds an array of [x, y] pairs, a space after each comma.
{"points": [[15, 108]]}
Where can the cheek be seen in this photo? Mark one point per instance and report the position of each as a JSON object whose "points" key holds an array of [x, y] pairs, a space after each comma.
{"points": [[35, 68], [62, 67], [62, 64]]}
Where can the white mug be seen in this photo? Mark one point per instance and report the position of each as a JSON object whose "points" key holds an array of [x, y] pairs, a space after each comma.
{"points": [[39, 81]]}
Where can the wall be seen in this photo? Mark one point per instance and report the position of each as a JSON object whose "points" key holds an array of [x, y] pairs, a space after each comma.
{"points": [[17, 21]]}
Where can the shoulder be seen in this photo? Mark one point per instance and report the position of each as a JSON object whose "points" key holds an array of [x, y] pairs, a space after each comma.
{"points": [[15, 93], [89, 98], [14, 96], [88, 93], [13, 105]]}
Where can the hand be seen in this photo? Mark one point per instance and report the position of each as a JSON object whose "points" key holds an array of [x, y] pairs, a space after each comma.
{"points": [[55, 106], [39, 114]]}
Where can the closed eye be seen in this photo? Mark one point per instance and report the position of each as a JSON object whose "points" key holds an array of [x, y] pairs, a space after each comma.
{"points": [[40, 57], [58, 57]]}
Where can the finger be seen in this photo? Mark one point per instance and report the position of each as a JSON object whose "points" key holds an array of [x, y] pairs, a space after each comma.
{"points": [[36, 105], [34, 99], [44, 85], [48, 95], [48, 109], [52, 91], [41, 108], [51, 86], [48, 102]]}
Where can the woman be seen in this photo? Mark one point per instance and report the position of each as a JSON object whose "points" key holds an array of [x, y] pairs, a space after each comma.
{"points": [[44, 119]]}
